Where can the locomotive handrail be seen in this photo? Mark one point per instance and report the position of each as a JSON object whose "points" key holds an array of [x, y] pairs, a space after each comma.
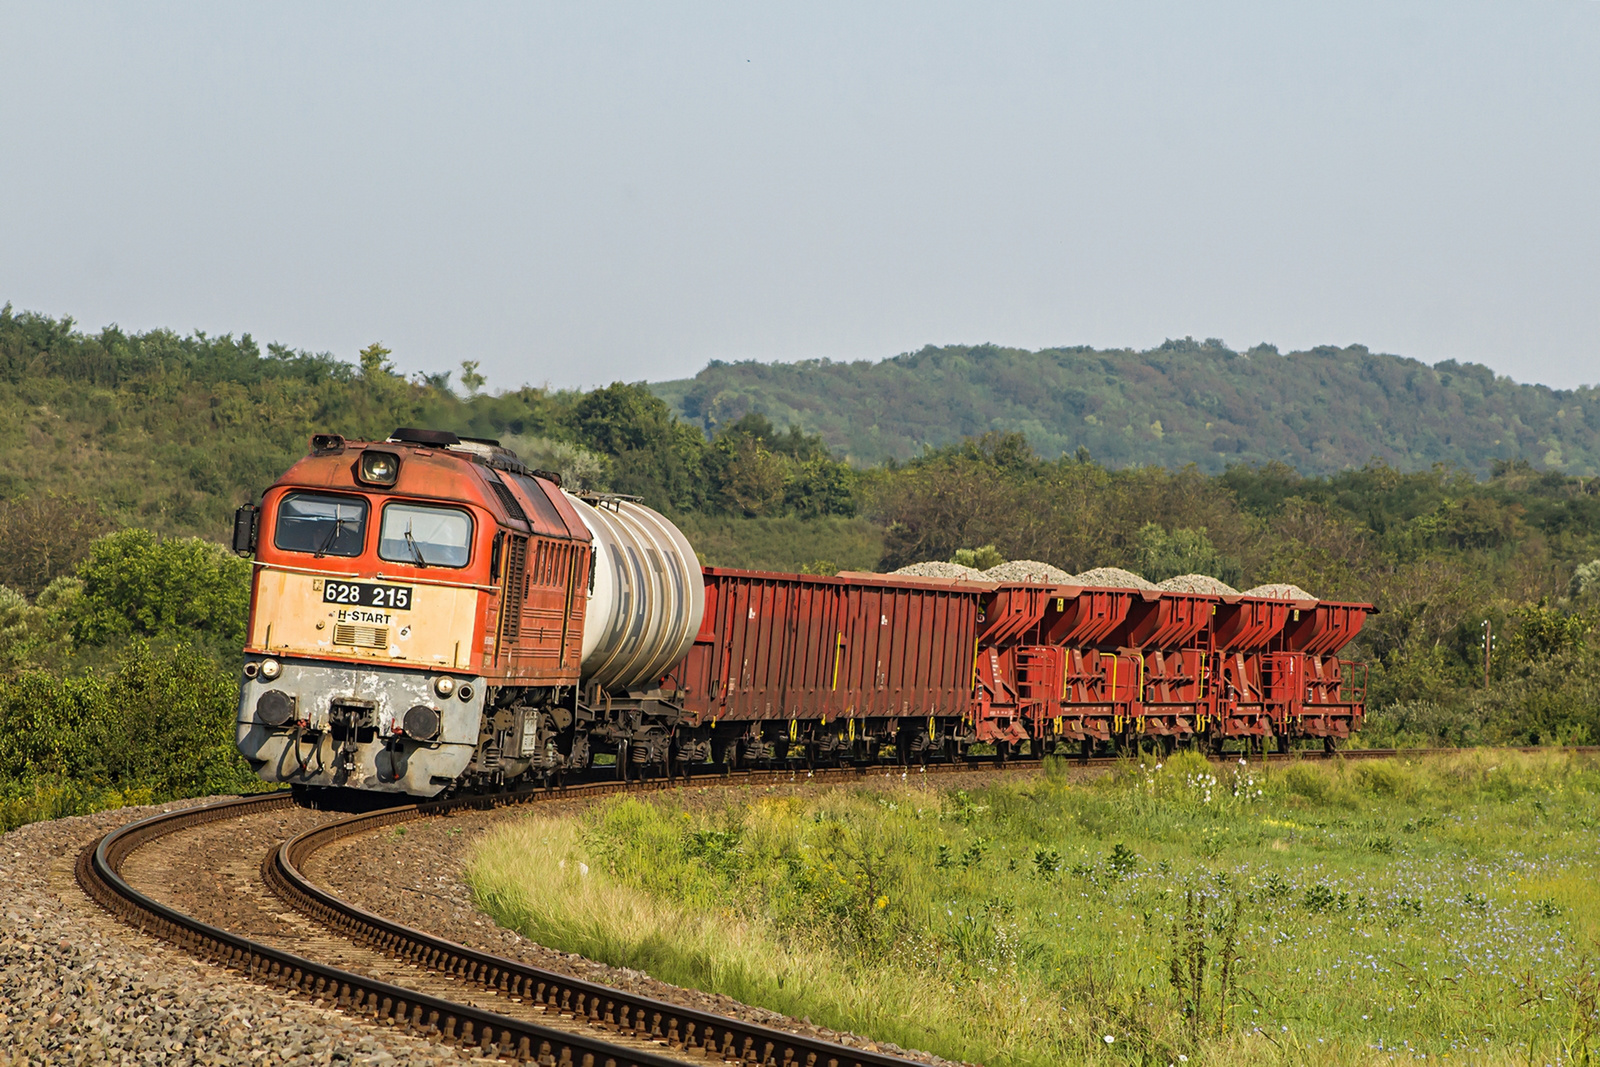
{"points": [[356, 576]]}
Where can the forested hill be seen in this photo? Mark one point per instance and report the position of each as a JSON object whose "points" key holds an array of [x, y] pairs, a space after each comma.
{"points": [[1319, 411]]}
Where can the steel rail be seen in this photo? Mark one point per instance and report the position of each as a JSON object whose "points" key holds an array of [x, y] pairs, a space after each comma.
{"points": [[716, 1037], [461, 1024], [604, 1007]]}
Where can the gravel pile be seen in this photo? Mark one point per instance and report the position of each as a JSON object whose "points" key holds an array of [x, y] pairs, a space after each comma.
{"points": [[1198, 583], [1279, 591], [76, 986], [1112, 578], [1026, 570], [937, 569]]}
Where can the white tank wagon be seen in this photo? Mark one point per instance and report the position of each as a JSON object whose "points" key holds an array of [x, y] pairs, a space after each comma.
{"points": [[646, 599]]}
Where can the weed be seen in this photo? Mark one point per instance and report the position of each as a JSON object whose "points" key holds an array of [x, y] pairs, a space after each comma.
{"points": [[1024, 922]]}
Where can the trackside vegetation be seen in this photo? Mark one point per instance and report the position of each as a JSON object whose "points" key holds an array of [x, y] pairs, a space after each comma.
{"points": [[122, 456], [1441, 908], [119, 679]]}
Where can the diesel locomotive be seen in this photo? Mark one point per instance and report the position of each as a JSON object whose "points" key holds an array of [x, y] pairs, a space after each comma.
{"points": [[428, 613], [424, 609]]}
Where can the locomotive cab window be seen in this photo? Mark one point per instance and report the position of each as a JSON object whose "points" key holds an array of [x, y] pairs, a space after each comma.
{"points": [[321, 524], [425, 536]]}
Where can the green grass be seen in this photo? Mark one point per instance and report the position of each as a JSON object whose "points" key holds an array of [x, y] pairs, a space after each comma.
{"points": [[1365, 913]]}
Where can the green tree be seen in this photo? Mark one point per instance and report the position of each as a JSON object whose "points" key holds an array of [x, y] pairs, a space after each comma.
{"points": [[375, 361], [654, 455], [135, 584], [1163, 554]]}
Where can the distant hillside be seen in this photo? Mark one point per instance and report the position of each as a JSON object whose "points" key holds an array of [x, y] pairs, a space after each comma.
{"points": [[1320, 411]]}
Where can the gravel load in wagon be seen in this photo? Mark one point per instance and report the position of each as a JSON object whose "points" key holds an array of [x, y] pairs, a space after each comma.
{"points": [[1026, 570], [1279, 591], [939, 569], [1112, 578], [1203, 584]]}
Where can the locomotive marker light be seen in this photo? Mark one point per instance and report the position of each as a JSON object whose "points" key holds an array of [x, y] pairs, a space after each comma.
{"points": [[444, 686], [270, 669], [378, 468]]}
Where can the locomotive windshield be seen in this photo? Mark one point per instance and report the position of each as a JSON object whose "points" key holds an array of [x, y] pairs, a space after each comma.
{"points": [[425, 536], [321, 524]]}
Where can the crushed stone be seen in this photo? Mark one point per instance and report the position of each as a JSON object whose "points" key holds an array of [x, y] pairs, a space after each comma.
{"points": [[1279, 591], [1026, 570], [1203, 584], [1112, 578], [938, 569], [77, 986]]}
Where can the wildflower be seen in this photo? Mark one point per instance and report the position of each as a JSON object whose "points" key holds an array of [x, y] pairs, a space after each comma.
{"points": [[881, 903]]}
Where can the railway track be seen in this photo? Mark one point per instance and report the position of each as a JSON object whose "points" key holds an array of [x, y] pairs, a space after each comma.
{"points": [[374, 967], [413, 980]]}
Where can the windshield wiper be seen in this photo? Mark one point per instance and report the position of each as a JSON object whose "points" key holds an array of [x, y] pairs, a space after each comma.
{"points": [[411, 542], [333, 535]]}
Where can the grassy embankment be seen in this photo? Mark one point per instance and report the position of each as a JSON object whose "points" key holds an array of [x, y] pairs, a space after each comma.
{"points": [[1322, 914]]}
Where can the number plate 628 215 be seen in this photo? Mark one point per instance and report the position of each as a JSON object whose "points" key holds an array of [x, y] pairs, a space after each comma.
{"points": [[367, 595]]}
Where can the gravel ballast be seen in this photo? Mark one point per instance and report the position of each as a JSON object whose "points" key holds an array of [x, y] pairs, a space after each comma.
{"points": [[420, 882], [77, 986]]}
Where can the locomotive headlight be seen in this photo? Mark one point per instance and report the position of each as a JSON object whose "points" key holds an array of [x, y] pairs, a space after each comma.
{"points": [[378, 468], [444, 686], [270, 669]]}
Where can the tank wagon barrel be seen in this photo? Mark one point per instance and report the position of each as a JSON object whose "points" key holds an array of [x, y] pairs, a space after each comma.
{"points": [[427, 613]]}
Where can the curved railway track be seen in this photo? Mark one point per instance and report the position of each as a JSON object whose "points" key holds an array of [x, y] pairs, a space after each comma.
{"points": [[411, 979]]}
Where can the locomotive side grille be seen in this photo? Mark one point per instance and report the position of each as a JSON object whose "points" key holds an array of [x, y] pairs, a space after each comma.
{"points": [[507, 501], [345, 633], [515, 590]]}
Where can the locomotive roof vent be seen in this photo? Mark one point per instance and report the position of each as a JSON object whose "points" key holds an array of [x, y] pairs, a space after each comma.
{"points": [[435, 438], [491, 454]]}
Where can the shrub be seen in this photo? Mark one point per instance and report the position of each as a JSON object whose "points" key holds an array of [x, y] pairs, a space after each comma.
{"points": [[1304, 780], [135, 584]]}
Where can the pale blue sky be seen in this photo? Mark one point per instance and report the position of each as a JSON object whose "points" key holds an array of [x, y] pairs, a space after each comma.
{"points": [[579, 193]]}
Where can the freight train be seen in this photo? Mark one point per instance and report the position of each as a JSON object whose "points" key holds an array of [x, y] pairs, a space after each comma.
{"points": [[429, 614]]}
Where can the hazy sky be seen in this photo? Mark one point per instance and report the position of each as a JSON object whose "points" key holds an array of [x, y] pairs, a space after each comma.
{"points": [[585, 192]]}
